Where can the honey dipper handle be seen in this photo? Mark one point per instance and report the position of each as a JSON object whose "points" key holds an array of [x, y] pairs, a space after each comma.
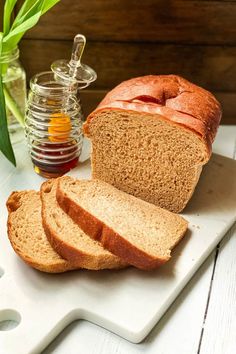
{"points": [[77, 52]]}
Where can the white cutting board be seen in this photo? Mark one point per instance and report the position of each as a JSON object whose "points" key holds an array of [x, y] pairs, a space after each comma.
{"points": [[128, 302]]}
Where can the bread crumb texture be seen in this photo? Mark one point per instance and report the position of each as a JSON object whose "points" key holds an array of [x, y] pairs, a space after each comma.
{"points": [[27, 236]]}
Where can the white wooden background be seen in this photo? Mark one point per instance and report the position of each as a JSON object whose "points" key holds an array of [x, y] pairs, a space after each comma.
{"points": [[201, 321]]}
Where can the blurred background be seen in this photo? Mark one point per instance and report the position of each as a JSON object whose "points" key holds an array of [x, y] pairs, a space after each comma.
{"points": [[128, 38]]}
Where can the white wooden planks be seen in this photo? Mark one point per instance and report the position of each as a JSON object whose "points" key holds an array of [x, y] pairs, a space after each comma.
{"points": [[219, 333]]}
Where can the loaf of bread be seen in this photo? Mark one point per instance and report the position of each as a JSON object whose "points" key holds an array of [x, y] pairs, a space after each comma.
{"points": [[27, 236], [151, 136], [140, 233], [67, 238]]}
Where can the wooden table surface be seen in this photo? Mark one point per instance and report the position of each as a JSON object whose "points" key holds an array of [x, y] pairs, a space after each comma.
{"points": [[202, 320]]}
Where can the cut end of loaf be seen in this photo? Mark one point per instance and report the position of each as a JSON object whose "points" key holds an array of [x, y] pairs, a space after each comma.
{"points": [[147, 156]]}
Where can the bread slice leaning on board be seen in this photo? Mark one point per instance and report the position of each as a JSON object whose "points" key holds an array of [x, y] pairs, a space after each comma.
{"points": [[67, 238], [140, 233], [151, 137], [27, 236]]}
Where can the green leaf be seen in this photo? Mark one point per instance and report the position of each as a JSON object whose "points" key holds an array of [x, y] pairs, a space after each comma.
{"points": [[27, 4], [30, 7], [25, 26], [13, 38], [48, 4], [27, 13], [8, 8], [5, 142], [27, 17]]}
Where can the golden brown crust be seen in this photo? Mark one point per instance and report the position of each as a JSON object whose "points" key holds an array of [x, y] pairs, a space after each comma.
{"points": [[171, 96], [14, 202], [76, 257], [57, 244], [111, 240], [125, 250]]}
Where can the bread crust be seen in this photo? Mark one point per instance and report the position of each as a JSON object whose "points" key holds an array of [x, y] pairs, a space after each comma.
{"points": [[110, 239], [169, 97]]}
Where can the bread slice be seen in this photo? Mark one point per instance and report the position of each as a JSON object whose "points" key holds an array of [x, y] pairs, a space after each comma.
{"points": [[151, 137], [26, 234], [136, 231], [67, 238]]}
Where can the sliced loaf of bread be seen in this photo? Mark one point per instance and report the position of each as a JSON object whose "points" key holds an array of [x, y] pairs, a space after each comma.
{"points": [[27, 236], [151, 137], [136, 231], [67, 238]]}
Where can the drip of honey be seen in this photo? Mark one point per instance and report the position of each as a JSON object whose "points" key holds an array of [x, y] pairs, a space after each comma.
{"points": [[59, 127]]}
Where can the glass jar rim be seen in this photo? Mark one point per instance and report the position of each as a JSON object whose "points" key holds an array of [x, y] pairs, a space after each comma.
{"points": [[45, 83], [10, 55]]}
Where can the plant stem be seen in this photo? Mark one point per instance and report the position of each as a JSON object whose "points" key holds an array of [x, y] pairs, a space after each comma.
{"points": [[12, 106]]}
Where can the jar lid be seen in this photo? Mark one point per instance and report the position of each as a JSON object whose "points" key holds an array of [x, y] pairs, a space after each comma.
{"points": [[73, 71]]}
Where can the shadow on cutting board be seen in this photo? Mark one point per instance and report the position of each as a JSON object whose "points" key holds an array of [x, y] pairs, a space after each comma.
{"points": [[216, 190]]}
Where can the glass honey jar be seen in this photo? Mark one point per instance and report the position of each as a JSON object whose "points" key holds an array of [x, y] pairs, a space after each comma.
{"points": [[53, 126], [53, 123]]}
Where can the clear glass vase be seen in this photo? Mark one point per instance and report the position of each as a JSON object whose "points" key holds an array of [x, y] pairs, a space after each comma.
{"points": [[14, 85]]}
